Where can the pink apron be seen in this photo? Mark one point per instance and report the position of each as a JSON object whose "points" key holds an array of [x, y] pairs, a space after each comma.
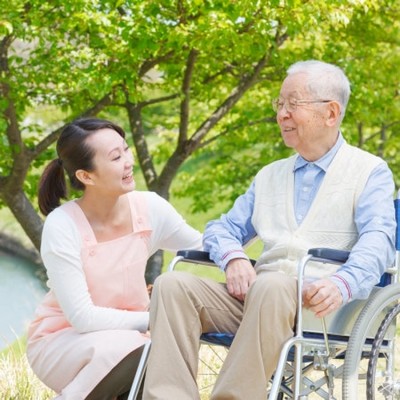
{"points": [[72, 363]]}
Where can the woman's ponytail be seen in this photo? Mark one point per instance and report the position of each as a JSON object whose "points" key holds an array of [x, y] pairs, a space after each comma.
{"points": [[52, 187]]}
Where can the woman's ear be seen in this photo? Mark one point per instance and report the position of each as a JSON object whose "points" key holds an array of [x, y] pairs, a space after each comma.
{"points": [[84, 177], [334, 111]]}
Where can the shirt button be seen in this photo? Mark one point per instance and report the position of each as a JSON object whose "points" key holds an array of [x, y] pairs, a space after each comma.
{"points": [[92, 252], [299, 216], [305, 189]]}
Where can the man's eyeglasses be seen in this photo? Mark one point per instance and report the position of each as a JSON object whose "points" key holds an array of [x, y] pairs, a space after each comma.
{"points": [[292, 103]]}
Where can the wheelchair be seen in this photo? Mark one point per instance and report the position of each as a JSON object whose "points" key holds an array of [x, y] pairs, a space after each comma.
{"points": [[351, 354]]}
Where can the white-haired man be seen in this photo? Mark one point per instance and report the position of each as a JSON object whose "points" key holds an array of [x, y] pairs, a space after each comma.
{"points": [[329, 194]]}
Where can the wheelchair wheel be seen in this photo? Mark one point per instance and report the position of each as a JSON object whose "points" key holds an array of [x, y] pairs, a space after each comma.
{"points": [[358, 352], [383, 378], [211, 358]]}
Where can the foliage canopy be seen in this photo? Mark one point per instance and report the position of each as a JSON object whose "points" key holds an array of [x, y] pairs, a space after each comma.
{"points": [[192, 81]]}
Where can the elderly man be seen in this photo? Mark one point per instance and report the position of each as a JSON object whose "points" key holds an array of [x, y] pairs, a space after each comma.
{"points": [[329, 194]]}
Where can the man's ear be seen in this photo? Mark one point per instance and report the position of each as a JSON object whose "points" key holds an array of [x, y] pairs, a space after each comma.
{"points": [[334, 111], [84, 177]]}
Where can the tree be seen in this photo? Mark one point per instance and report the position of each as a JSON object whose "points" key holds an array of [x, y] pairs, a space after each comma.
{"points": [[188, 79]]}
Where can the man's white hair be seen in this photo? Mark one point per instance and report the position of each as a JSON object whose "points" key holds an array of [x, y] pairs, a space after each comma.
{"points": [[325, 81]]}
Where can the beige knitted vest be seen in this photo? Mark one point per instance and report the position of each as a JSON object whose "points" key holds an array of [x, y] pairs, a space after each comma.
{"points": [[330, 219]]}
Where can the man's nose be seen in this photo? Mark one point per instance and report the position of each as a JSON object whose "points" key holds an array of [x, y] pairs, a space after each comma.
{"points": [[283, 113]]}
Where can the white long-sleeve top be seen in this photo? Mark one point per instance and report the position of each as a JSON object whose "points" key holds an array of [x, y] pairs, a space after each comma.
{"points": [[61, 253]]}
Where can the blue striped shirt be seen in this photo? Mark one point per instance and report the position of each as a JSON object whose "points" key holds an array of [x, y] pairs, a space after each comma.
{"points": [[374, 217]]}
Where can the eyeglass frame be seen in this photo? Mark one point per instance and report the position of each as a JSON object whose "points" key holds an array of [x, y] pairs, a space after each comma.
{"points": [[276, 108]]}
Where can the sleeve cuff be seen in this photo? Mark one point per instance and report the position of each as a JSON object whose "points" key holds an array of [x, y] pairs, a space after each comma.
{"points": [[231, 255], [343, 286], [141, 321]]}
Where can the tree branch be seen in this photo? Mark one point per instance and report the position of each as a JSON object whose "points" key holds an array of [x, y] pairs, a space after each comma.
{"points": [[183, 150], [384, 127], [205, 143], [360, 135], [229, 68], [53, 136], [143, 104], [392, 124], [246, 27], [184, 113], [145, 161], [12, 131], [246, 82], [149, 64]]}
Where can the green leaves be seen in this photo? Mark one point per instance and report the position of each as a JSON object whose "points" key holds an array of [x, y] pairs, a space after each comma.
{"points": [[178, 76]]}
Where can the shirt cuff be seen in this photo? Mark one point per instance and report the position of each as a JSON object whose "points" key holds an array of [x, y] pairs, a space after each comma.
{"points": [[140, 321], [231, 255], [343, 286]]}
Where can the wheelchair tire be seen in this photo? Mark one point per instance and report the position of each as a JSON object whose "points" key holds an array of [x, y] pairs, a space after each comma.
{"points": [[386, 297], [383, 385]]}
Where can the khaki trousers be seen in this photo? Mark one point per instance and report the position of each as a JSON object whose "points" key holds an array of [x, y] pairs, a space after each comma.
{"points": [[184, 306]]}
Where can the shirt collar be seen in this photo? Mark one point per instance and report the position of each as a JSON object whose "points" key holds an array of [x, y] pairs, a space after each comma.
{"points": [[324, 161]]}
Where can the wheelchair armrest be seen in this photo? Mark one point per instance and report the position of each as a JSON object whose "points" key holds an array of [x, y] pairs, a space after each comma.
{"points": [[329, 255], [195, 255], [200, 256], [320, 254]]}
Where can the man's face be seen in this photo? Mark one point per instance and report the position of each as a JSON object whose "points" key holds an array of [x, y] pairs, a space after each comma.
{"points": [[305, 129]]}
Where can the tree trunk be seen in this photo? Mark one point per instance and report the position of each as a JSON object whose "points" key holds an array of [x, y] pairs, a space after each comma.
{"points": [[25, 214], [154, 266]]}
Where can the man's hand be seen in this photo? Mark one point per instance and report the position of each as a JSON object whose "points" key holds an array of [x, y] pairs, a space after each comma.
{"points": [[322, 297], [240, 275]]}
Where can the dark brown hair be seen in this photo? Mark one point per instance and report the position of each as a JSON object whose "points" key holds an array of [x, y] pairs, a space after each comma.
{"points": [[73, 153]]}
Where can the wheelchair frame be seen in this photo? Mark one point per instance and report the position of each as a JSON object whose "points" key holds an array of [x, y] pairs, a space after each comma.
{"points": [[316, 347], [358, 330]]}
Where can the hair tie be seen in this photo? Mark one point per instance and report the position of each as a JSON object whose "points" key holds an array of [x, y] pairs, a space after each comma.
{"points": [[59, 162]]}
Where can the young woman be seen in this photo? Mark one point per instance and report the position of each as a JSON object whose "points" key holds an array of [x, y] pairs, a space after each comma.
{"points": [[87, 336]]}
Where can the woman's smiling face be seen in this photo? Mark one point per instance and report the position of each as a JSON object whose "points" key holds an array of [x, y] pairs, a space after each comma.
{"points": [[113, 162]]}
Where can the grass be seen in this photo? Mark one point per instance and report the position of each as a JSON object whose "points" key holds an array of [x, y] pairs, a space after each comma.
{"points": [[17, 380]]}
